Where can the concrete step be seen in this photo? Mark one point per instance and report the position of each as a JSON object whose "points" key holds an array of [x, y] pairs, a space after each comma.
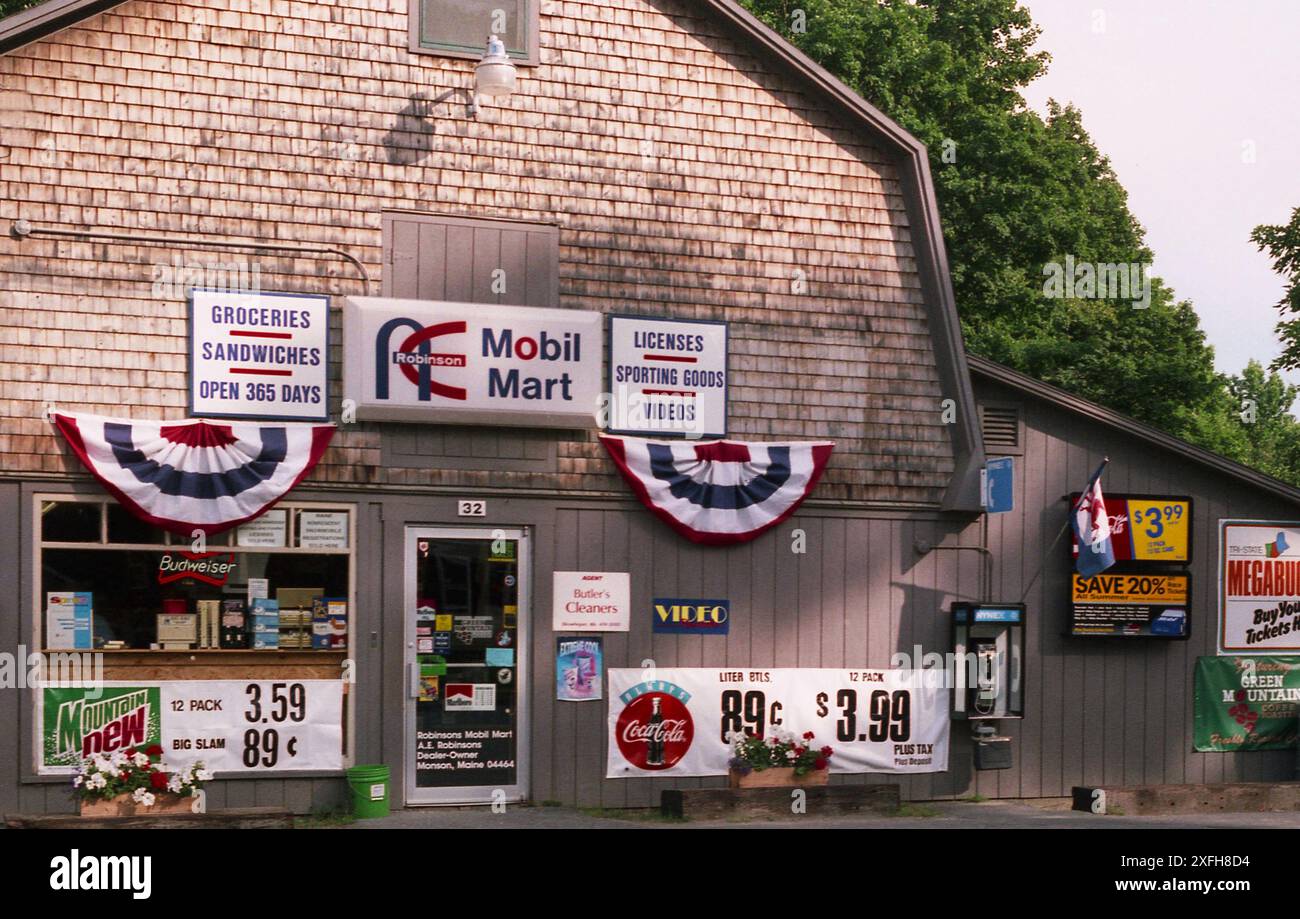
{"points": [[746, 803], [1222, 798], [239, 818]]}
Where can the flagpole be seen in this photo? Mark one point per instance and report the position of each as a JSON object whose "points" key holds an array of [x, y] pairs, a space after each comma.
{"points": [[1105, 461]]}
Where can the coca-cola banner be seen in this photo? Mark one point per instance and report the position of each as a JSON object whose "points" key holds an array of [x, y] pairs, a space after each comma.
{"points": [[676, 722]]}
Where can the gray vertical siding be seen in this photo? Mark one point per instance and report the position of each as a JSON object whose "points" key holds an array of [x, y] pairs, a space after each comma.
{"points": [[1109, 710], [1097, 711]]}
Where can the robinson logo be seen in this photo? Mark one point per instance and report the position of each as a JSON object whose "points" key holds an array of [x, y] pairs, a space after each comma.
{"points": [[655, 729], [417, 360]]}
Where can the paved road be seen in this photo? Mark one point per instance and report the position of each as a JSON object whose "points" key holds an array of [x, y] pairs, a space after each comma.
{"points": [[937, 815]]}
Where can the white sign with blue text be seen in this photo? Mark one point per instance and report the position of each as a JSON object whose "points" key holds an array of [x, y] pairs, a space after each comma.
{"points": [[259, 355], [470, 363], [667, 377]]}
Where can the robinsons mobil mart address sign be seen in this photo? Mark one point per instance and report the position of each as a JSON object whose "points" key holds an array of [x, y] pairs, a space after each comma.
{"points": [[412, 360]]}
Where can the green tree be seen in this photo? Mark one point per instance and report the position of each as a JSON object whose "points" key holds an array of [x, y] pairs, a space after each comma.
{"points": [[1282, 243], [13, 6], [1271, 432], [1018, 193]]}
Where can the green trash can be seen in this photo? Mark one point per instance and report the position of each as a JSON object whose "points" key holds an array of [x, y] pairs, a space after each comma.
{"points": [[369, 791]]}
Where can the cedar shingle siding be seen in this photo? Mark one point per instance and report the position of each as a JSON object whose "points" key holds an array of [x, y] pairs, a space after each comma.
{"points": [[686, 179]]}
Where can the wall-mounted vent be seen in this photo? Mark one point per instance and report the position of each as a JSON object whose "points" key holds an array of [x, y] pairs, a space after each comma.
{"points": [[1000, 425]]}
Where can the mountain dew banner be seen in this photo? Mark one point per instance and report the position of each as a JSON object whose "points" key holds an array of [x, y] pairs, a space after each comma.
{"points": [[81, 721], [1246, 703], [244, 726]]}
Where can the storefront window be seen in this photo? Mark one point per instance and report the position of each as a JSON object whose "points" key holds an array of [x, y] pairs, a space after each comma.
{"points": [[111, 582]]}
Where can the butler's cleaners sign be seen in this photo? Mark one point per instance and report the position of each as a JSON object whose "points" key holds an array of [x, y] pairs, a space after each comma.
{"points": [[412, 360]]}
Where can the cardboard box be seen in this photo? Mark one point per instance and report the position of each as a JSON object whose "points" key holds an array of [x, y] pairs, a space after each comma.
{"points": [[297, 597], [179, 629]]}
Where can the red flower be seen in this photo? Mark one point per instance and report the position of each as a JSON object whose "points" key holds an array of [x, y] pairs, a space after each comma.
{"points": [[807, 735], [158, 780], [826, 751], [153, 750], [820, 763], [130, 751], [124, 775], [800, 751]]}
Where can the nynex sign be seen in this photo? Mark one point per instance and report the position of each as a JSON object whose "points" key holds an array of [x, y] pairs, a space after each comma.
{"points": [[413, 360], [708, 617]]}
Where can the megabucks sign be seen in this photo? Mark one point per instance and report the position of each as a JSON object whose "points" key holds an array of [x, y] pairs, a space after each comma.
{"points": [[1259, 587], [413, 360], [673, 722]]}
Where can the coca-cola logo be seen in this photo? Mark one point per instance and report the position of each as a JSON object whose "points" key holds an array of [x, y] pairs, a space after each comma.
{"points": [[654, 731]]}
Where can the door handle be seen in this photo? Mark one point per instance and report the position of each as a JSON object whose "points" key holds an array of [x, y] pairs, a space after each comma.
{"points": [[413, 680]]}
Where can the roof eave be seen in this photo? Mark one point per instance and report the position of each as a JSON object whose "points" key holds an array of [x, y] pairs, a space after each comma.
{"points": [[35, 23], [1144, 432]]}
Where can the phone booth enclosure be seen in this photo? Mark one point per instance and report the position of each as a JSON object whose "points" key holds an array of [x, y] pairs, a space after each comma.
{"points": [[988, 660]]}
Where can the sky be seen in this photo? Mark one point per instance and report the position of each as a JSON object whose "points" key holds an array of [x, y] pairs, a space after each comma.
{"points": [[1195, 102]]}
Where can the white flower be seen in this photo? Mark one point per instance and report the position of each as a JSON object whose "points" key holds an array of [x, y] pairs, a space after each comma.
{"points": [[118, 759], [97, 780], [174, 784], [203, 775], [140, 759], [104, 764], [76, 783], [143, 796]]}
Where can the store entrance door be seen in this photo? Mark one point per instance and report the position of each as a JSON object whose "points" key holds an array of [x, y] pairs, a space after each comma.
{"points": [[466, 627]]}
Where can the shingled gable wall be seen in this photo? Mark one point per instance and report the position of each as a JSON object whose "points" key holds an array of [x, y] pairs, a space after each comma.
{"points": [[686, 176]]}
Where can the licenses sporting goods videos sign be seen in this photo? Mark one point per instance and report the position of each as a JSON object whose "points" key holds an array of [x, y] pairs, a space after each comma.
{"points": [[421, 361], [667, 376], [676, 722]]}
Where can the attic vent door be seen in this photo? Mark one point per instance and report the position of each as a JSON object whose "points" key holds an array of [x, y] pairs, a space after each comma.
{"points": [[469, 260], [1001, 428]]}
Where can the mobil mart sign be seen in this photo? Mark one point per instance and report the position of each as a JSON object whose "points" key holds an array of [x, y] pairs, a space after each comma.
{"points": [[468, 363]]}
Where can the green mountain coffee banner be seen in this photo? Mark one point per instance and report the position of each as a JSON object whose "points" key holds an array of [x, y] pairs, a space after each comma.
{"points": [[1246, 703]]}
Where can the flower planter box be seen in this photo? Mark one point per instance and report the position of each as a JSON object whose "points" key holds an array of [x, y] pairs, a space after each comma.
{"points": [[782, 777], [123, 806]]}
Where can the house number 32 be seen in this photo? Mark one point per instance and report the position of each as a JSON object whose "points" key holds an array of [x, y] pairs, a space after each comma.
{"points": [[471, 508]]}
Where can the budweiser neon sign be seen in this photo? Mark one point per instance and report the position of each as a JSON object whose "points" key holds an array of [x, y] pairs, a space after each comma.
{"points": [[208, 567]]}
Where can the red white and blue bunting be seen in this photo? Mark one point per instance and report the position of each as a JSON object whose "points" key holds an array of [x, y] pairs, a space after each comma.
{"points": [[195, 475], [721, 491]]}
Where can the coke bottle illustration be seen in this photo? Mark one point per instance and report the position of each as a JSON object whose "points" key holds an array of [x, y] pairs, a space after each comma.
{"points": [[654, 755]]}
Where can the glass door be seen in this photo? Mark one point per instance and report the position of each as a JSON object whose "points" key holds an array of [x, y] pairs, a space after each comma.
{"points": [[466, 602]]}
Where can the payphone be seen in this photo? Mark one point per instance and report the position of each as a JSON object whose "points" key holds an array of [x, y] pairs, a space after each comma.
{"points": [[989, 669]]}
